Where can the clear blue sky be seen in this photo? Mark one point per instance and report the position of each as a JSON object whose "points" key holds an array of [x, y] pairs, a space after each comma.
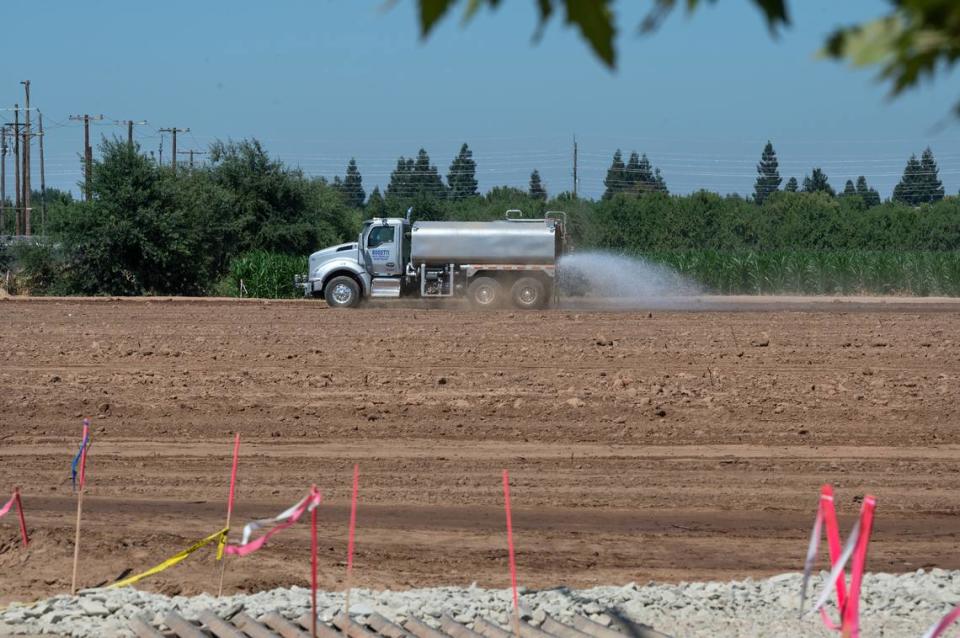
{"points": [[320, 81]]}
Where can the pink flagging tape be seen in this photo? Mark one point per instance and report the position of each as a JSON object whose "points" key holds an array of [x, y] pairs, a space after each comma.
{"points": [[15, 500], [510, 547], [6, 508], [833, 538], [280, 522], [855, 548], [233, 477], [943, 624], [851, 611]]}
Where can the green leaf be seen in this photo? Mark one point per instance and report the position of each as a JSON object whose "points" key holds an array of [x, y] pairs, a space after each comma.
{"points": [[595, 21], [870, 43], [430, 13]]}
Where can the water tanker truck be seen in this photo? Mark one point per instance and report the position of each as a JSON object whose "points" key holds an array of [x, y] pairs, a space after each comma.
{"points": [[491, 264]]}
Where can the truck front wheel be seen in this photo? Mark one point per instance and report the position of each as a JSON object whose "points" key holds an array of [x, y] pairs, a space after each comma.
{"points": [[485, 292], [342, 292], [528, 293]]}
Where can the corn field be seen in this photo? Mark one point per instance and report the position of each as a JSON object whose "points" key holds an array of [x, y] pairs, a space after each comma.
{"points": [[265, 275], [844, 272]]}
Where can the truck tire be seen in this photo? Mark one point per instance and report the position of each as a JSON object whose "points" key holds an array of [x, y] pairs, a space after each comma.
{"points": [[485, 292], [528, 293], [342, 292]]}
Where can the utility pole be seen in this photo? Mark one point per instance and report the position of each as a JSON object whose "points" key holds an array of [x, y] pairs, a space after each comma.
{"points": [[26, 160], [574, 166], [16, 169], [173, 151], [191, 153], [43, 182], [3, 178], [87, 154], [130, 124]]}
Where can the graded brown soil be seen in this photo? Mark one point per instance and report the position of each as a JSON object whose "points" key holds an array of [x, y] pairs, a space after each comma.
{"points": [[642, 445]]}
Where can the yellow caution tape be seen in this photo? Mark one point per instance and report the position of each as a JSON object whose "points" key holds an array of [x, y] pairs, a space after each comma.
{"points": [[220, 537]]}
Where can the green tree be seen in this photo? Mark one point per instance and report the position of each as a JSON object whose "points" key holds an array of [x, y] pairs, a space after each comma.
{"points": [[537, 191], [645, 178], [616, 180], [140, 234], [933, 187], [912, 186], [849, 189], [869, 195], [415, 178], [376, 207], [462, 177], [792, 186], [768, 175], [352, 186], [817, 182]]}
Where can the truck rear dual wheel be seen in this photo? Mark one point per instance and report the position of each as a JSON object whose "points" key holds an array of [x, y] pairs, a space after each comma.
{"points": [[485, 292], [528, 293], [342, 292]]}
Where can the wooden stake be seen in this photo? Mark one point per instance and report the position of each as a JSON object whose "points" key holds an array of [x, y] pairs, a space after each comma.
{"points": [[83, 480], [76, 543], [233, 489]]}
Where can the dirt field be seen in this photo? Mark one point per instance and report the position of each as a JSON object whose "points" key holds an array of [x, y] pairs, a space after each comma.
{"points": [[663, 445]]}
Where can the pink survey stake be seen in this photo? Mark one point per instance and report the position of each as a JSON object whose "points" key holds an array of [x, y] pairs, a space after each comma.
{"points": [[510, 549], [233, 474]]}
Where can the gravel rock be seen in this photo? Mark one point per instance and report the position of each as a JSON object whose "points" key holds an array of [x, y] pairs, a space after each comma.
{"points": [[892, 605]]}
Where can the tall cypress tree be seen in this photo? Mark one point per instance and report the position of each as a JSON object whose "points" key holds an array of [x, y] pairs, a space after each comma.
{"points": [[817, 182], [870, 195], [616, 180], [792, 185], [426, 178], [933, 187], [352, 186], [537, 191], [462, 178], [632, 171], [376, 207], [401, 179], [648, 179], [849, 188], [912, 185], [768, 175]]}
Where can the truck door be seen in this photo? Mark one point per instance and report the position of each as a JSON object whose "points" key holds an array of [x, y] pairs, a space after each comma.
{"points": [[383, 249]]}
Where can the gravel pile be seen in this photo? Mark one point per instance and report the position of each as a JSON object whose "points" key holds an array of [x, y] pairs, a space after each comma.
{"points": [[900, 605]]}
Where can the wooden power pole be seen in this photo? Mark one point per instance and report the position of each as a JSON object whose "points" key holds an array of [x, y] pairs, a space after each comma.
{"points": [[574, 166], [43, 181], [26, 160], [3, 179], [130, 124], [16, 169], [191, 153], [87, 154], [173, 151]]}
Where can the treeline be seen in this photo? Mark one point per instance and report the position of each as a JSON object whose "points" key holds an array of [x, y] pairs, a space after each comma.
{"points": [[151, 230]]}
